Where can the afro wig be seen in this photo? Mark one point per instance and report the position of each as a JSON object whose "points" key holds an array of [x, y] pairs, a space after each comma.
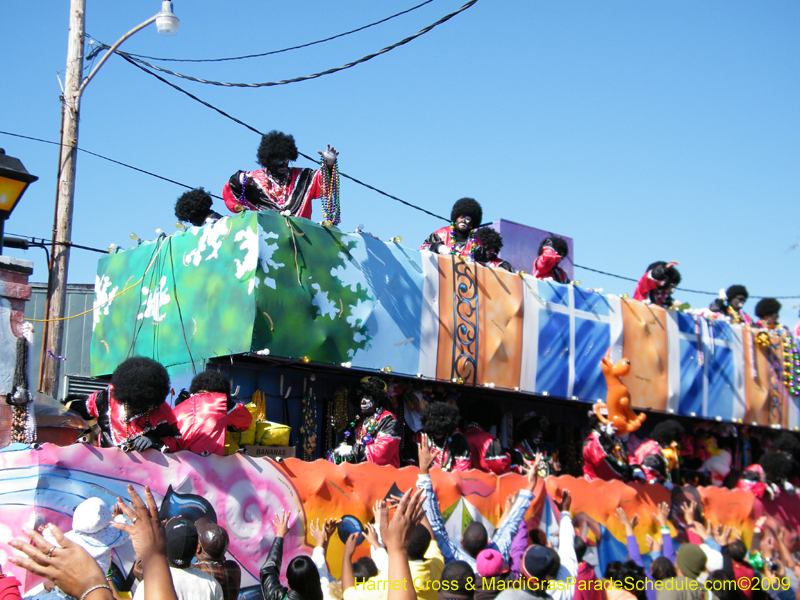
{"points": [[467, 207], [490, 239], [736, 290], [375, 388], [440, 419], [194, 206], [777, 465], [140, 383], [276, 146], [558, 244], [671, 275], [667, 432], [787, 442], [766, 307], [210, 381]]}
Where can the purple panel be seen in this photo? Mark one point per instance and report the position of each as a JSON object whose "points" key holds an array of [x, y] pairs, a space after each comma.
{"points": [[521, 245]]}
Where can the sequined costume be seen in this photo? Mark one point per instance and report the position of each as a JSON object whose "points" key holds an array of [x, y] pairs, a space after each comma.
{"points": [[486, 452], [604, 458], [378, 439], [461, 244], [546, 265], [263, 192], [203, 420]]}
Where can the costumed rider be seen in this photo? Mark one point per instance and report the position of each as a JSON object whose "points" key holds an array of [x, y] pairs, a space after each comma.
{"points": [[460, 236], [529, 435], [492, 242], [552, 251], [377, 431], [132, 413], [730, 304], [659, 457], [770, 476], [205, 413], [604, 453], [194, 207], [440, 423], [486, 451], [284, 189], [656, 286], [788, 369]]}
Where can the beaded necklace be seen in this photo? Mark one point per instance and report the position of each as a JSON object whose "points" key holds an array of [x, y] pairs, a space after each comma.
{"points": [[471, 243], [370, 427], [791, 355], [330, 194]]}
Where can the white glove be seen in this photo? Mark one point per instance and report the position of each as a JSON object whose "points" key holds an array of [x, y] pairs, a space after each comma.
{"points": [[329, 155], [343, 451], [443, 249]]}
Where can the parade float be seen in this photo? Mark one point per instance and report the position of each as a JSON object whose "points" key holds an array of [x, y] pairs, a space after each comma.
{"points": [[296, 313]]}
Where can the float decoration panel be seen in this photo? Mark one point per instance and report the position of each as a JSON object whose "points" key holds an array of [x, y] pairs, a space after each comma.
{"points": [[243, 494], [289, 288]]}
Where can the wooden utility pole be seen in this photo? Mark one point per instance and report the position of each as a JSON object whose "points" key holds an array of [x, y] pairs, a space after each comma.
{"points": [[65, 195]]}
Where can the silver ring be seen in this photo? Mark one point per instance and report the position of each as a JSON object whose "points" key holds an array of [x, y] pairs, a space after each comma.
{"points": [[133, 520], [50, 552]]}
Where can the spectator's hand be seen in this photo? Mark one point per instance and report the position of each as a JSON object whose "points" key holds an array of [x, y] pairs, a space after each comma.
{"points": [[688, 510], [146, 530], [510, 500], [376, 513], [566, 501], [350, 546], [425, 455], [653, 545], [329, 155], [69, 567], [372, 535], [281, 523], [322, 533], [398, 531], [141, 443], [662, 514], [672, 263], [626, 522], [533, 471]]}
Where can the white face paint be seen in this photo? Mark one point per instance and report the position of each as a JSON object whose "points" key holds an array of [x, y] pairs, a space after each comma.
{"points": [[367, 404]]}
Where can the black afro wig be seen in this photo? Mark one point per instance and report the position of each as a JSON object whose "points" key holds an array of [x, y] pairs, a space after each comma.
{"points": [[193, 206], [467, 207], [558, 244], [667, 432], [490, 239], [787, 442], [777, 465], [440, 419], [766, 307], [736, 290], [375, 388], [673, 276], [210, 381], [276, 146], [140, 383]]}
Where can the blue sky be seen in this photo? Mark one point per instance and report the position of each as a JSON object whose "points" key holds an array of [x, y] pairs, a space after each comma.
{"points": [[644, 130]]}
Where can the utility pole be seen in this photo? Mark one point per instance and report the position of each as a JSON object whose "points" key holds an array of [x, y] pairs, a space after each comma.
{"points": [[65, 195]]}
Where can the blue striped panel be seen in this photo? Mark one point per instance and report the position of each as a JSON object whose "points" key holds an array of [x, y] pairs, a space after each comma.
{"points": [[553, 366]]}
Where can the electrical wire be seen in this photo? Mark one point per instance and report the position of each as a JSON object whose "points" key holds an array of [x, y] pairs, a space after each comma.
{"points": [[167, 179], [328, 39], [254, 130], [305, 77]]}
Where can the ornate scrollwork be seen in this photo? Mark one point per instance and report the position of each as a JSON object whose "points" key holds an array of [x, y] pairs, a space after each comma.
{"points": [[465, 323]]}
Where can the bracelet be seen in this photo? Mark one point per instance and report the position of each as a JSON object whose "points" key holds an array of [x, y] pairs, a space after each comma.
{"points": [[665, 529], [92, 589]]}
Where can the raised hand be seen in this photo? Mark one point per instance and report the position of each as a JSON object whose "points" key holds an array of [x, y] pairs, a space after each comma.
{"points": [[281, 523], [425, 455], [329, 155]]}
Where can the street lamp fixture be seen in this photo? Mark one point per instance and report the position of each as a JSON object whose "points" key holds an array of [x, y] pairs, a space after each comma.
{"points": [[74, 86], [14, 180]]}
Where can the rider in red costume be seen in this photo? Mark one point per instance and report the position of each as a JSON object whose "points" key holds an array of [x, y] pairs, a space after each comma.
{"points": [[460, 236]]}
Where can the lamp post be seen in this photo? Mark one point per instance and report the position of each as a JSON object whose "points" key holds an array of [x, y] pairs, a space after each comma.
{"points": [[14, 180], [74, 85]]}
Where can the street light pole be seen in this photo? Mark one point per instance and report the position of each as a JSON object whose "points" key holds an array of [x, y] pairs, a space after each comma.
{"points": [[74, 86]]}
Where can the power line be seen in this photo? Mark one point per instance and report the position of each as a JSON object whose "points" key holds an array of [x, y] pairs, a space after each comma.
{"points": [[328, 39], [254, 130], [189, 187], [305, 77]]}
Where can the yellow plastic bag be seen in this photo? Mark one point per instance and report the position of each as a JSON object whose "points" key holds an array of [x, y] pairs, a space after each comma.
{"points": [[244, 438], [272, 434], [231, 446]]}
